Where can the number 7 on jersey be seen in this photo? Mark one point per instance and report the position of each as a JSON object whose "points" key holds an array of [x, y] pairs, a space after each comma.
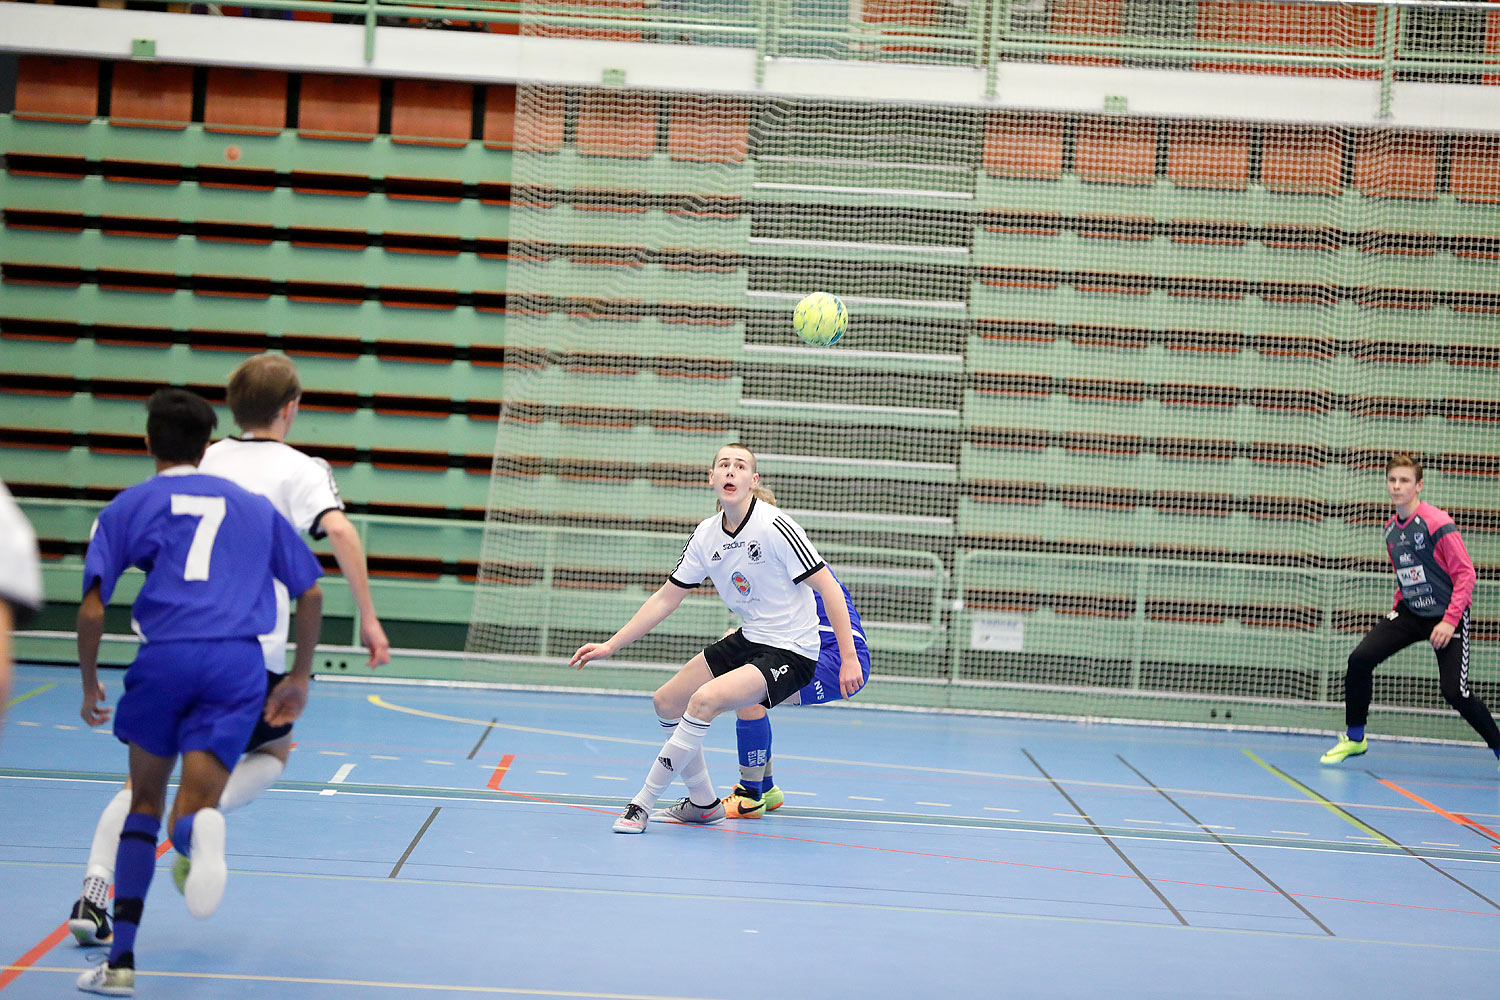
{"points": [[210, 514]]}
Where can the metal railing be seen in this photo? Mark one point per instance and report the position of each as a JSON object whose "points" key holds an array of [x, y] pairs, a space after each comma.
{"points": [[1455, 40]]}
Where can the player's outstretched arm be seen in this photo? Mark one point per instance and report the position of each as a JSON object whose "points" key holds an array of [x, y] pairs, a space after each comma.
{"points": [[651, 614], [90, 632], [350, 554], [6, 620], [286, 702], [851, 673]]}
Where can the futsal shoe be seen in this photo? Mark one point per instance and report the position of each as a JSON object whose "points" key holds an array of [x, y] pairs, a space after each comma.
{"points": [[89, 923], [180, 869], [686, 812], [1345, 747], [110, 982], [741, 804], [203, 886], [773, 798], [633, 820]]}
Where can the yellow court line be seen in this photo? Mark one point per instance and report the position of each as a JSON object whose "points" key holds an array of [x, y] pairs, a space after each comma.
{"points": [[314, 981], [1325, 803], [380, 702], [29, 694]]}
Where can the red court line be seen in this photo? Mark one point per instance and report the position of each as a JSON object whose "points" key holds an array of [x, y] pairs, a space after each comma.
{"points": [[1458, 818], [46, 944], [500, 769], [739, 831]]}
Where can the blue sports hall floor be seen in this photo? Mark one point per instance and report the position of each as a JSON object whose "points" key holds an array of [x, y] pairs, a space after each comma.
{"points": [[438, 842]]}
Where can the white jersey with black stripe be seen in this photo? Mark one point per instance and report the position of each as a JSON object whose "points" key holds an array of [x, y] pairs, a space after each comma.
{"points": [[20, 571], [300, 486], [756, 570]]}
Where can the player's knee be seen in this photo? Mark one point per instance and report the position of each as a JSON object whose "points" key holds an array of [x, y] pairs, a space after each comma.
{"points": [[1453, 694], [667, 705], [705, 704]]}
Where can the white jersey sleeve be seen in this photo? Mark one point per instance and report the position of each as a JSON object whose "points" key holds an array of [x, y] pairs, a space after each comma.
{"points": [[299, 486], [793, 548], [20, 568], [314, 494], [692, 565]]}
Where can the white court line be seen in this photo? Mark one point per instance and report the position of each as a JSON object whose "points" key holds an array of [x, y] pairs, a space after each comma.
{"points": [[333, 753], [1293, 833], [444, 763], [560, 774], [434, 794], [865, 798], [381, 756], [338, 778], [608, 777], [942, 805]]}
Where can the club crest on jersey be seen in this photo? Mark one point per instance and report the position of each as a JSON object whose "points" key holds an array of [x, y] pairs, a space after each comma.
{"points": [[740, 583], [753, 551], [1418, 539]]}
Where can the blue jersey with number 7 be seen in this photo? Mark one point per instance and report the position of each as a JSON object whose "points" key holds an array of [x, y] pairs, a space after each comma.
{"points": [[210, 550]]}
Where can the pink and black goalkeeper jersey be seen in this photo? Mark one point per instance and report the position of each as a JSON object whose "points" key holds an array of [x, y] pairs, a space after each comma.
{"points": [[1434, 574]]}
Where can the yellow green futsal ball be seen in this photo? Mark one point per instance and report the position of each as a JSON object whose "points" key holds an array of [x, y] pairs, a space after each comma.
{"points": [[820, 319]]}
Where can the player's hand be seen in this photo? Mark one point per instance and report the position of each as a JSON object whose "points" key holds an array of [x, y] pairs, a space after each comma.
{"points": [[851, 677], [373, 636], [590, 651], [94, 711], [286, 701], [1441, 633]]}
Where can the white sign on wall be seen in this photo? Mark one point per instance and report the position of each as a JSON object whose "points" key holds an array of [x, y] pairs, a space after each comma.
{"points": [[1005, 634]]}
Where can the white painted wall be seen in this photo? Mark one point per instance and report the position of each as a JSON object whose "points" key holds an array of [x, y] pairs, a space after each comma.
{"points": [[484, 57]]}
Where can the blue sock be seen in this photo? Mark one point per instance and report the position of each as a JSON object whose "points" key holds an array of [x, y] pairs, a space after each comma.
{"points": [[1356, 733], [753, 736], [182, 834], [135, 863]]}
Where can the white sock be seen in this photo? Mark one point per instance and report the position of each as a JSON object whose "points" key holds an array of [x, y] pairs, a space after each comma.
{"points": [[252, 775], [695, 776], [677, 758], [107, 839]]}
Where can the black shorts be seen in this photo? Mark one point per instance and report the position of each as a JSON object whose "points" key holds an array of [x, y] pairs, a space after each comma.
{"points": [[786, 672], [265, 732]]}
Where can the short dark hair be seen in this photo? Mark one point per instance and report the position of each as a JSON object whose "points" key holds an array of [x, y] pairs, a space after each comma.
{"points": [[1401, 460], [178, 425], [260, 387]]}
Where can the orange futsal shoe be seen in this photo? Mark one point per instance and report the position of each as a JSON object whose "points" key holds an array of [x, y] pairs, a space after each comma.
{"points": [[740, 804]]}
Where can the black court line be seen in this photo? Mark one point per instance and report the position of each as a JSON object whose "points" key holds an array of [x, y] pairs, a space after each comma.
{"points": [[1222, 843], [1447, 875], [483, 736], [1105, 837], [413, 845]]}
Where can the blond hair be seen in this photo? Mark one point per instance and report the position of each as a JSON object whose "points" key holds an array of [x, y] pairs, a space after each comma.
{"points": [[260, 387]]}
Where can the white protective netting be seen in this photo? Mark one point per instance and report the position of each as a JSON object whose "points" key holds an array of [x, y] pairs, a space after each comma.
{"points": [[1106, 435]]}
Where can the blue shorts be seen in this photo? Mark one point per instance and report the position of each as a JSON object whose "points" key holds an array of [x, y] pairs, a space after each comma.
{"points": [[193, 695], [825, 683]]}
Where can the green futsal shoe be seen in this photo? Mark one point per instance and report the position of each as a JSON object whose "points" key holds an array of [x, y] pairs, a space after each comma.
{"points": [[773, 798], [180, 869], [1345, 747]]}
